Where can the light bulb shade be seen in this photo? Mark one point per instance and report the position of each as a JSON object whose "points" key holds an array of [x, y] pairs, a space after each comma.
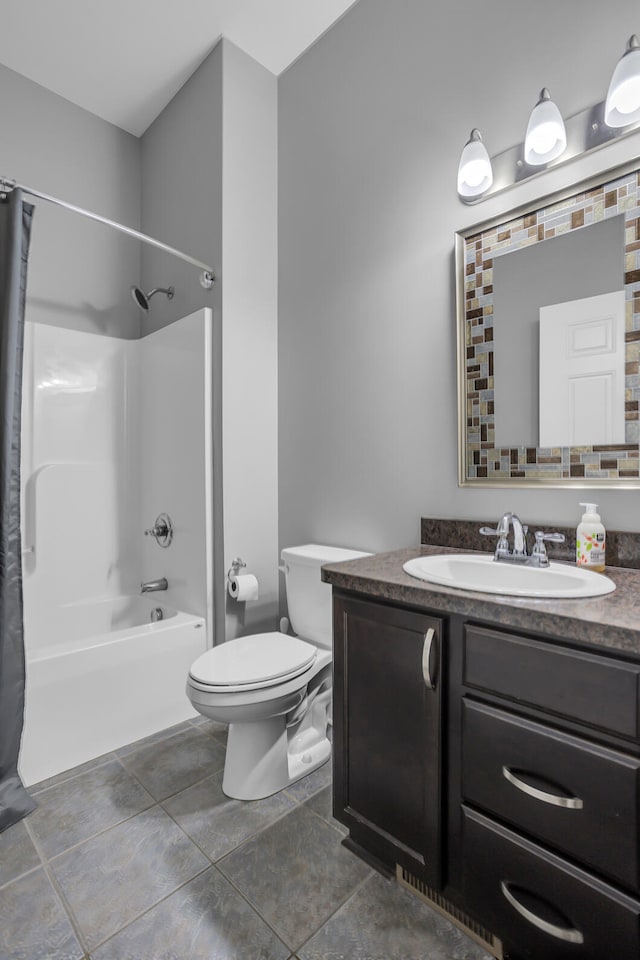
{"points": [[546, 137], [623, 99], [475, 175]]}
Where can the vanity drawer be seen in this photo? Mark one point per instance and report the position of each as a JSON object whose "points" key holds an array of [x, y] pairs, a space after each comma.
{"points": [[596, 690], [538, 904], [577, 796]]}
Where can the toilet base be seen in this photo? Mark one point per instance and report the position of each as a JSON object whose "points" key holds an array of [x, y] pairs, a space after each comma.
{"points": [[308, 761], [258, 763], [264, 758]]}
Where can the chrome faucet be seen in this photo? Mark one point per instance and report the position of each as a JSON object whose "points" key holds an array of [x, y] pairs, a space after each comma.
{"points": [[519, 554], [519, 534], [503, 552], [150, 585]]}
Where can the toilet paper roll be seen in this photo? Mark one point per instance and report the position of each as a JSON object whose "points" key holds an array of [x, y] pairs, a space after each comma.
{"points": [[244, 587]]}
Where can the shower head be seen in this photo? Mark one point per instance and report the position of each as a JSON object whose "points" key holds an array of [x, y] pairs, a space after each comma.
{"points": [[142, 299]]}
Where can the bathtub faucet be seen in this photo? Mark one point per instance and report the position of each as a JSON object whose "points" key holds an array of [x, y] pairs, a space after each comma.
{"points": [[151, 585]]}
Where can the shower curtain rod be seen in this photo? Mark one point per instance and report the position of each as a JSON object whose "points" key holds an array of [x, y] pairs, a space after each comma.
{"points": [[207, 277]]}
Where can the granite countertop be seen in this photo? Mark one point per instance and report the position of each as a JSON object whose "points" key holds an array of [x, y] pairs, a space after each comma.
{"points": [[611, 622]]}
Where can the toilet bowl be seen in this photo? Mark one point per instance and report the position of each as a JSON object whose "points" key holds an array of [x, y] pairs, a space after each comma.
{"points": [[273, 689]]}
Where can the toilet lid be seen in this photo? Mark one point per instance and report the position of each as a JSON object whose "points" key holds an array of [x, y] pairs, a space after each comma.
{"points": [[262, 659]]}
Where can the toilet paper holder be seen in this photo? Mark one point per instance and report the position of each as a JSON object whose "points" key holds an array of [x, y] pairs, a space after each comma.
{"points": [[235, 568]]}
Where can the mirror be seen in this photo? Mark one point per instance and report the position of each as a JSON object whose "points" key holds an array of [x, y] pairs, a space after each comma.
{"points": [[549, 340]]}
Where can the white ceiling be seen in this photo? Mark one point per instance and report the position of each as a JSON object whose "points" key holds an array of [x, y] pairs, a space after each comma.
{"points": [[125, 59]]}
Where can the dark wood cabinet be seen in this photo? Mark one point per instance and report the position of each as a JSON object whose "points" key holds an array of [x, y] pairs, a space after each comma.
{"points": [[387, 733], [501, 769], [544, 808]]}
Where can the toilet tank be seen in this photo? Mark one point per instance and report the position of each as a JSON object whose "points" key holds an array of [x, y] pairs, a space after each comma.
{"points": [[308, 598]]}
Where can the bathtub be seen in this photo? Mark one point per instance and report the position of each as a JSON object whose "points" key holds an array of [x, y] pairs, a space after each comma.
{"points": [[106, 676]]}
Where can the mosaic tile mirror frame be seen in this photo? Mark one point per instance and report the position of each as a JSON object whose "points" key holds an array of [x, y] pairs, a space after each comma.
{"points": [[482, 367]]}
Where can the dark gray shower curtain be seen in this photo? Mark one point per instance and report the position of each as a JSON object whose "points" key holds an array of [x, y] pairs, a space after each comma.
{"points": [[15, 234]]}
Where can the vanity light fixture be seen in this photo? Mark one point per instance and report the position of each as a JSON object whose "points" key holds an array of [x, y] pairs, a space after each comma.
{"points": [[550, 138], [475, 175], [623, 99], [546, 137]]}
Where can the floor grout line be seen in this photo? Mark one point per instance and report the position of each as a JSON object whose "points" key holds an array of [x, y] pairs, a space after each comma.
{"points": [[153, 740], [219, 735], [35, 789], [211, 866], [254, 908], [66, 906], [47, 860], [35, 841], [152, 907], [20, 876], [209, 773], [56, 888], [324, 819], [38, 866], [250, 836], [258, 832], [347, 899], [257, 910]]}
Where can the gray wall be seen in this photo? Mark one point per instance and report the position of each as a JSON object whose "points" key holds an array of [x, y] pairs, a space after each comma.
{"points": [[250, 333], [182, 206], [79, 271], [209, 174], [371, 124], [182, 195]]}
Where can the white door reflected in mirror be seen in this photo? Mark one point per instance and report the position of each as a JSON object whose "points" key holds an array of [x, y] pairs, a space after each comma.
{"points": [[582, 371]]}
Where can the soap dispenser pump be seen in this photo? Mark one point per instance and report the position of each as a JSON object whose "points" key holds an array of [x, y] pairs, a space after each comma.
{"points": [[591, 539]]}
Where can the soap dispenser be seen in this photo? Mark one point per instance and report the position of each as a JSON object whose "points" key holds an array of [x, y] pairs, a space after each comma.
{"points": [[590, 539]]}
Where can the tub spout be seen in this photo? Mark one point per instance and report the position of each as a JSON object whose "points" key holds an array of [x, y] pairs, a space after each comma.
{"points": [[152, 585]]}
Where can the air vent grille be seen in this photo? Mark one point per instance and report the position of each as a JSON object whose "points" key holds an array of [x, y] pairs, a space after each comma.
{"points": [[471, 927]]}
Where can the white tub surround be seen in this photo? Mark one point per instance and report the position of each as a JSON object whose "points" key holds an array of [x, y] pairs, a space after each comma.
{"points": [[115, 432]]}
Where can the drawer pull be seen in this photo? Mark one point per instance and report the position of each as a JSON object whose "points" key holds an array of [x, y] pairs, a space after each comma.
{"points": [[429, 675], [568, 934], [570, 803]]}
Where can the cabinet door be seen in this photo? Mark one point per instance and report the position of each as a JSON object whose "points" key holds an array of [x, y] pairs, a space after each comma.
{"points": [[544, 906], [587, 687], [387, 733], [577, 796]]}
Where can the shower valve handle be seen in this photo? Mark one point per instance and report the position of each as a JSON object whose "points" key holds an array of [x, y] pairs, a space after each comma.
{"points": [[162, 530]]}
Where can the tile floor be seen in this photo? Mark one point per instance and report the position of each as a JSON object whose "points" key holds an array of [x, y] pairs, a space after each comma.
{"points": [[140, 856]]}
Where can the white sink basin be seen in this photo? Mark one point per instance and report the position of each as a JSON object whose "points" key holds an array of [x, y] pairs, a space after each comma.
{"points": [[481, 572]]}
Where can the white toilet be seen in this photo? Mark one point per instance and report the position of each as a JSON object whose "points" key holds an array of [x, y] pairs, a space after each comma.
{"points": [[274, 690]]}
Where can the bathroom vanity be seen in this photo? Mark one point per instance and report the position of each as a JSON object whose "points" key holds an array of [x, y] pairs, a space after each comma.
{"points": [[487, 749]]}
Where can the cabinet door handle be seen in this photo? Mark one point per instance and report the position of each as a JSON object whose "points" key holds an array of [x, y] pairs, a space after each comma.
{"points": [[568, 934], [430, 677], [570, 803]]}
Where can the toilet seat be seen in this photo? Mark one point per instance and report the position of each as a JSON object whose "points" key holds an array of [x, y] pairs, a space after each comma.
{"points": [[253, 662]]}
